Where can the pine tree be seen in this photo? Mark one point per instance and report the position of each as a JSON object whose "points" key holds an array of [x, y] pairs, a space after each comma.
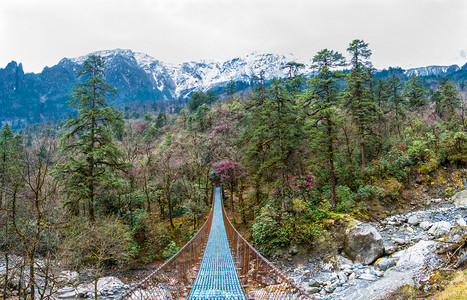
{"points": [[93, 156], [324, 94], [448, 103], [415, 92], [358, 94], [273, 133], [396, 100], [10, 147]]}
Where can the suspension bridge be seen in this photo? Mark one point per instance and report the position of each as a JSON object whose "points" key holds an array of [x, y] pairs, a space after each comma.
{"points": [[217, 263]]}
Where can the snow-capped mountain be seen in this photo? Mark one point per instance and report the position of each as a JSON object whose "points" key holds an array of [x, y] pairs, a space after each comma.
{"points": [[180, 80], [29, 98], [433, 70]]}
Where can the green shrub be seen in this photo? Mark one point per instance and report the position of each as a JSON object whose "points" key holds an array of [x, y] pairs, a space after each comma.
{"points": [[345, 199], [268, 232], [170, 250], [368, 192], [307, 232]]}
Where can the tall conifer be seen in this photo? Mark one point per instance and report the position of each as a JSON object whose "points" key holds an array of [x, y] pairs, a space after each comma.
{"points": [[93, 155]]}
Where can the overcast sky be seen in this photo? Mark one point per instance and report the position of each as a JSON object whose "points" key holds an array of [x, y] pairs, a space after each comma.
{"points": [[406, 33]]}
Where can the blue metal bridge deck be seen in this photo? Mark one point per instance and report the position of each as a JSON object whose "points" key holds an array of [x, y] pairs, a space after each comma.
{"points": [[217, 277]]}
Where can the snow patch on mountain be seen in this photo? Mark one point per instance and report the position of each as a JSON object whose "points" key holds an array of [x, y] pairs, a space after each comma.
{"points": [[432, 70], [180, 80]]}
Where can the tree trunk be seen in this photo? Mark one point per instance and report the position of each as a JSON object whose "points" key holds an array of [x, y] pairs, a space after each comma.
{"points": [[31, 276], [232, 197], [362, 147], [331, 162], [241, 202], [170, 210]]}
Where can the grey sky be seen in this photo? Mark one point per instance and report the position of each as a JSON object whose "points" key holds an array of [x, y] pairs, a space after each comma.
{"points": [[406, 33]]}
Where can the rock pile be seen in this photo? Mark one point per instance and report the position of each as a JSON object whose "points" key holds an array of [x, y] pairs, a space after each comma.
{"points": [[387, 255]]}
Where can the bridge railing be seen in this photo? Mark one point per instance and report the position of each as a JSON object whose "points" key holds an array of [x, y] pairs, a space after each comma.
{"points": [[174, 279], [260, 279]]}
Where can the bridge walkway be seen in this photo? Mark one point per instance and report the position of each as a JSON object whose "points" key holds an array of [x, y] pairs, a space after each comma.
{"points": [[217, 277]]}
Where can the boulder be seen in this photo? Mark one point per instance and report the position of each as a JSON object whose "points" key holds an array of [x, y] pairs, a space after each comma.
{"points": [[367, 276], [66, 293], [385, 263], [425, 225], [440, 229], [363, 243], [312, 290], [334, 262], [419, 255], [68, 277], [460, 199], [313, 283], [413, 220], [461, 222], [103, 284]]}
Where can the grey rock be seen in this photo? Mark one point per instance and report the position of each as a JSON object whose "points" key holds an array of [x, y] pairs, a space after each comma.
{"points": [[440, 229], [357, 266], [68, 277], [66, 292], [386, 263], [352, 276], [342, 277], [390, 249], [425, 225], [313, 283], [346, 266], [339, 289], [347, 271], [413, 220], [399, 241], [333, 277], [363, 243], [367, 276], [334, 262], [104, 283], [461, 222], [330, 288], [312, 289], [460, 199], [418, 255]]}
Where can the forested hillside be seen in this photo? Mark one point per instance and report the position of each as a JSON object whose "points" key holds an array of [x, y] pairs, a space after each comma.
{"points": [[291, 154]]}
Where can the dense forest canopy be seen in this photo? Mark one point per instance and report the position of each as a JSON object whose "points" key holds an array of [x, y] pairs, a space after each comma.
{"points": [[290, 154]]}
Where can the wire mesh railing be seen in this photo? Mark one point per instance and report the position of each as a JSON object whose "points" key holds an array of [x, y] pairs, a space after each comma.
{"points": [[259, 278], [173, 279]]}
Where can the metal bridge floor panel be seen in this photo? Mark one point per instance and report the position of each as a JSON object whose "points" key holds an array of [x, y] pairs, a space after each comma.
{"points": [[217, 277]]}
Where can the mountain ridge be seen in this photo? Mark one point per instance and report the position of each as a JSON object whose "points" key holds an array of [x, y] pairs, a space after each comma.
{"points": [[34, 97]]}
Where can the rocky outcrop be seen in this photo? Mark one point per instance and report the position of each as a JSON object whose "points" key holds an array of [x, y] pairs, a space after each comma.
{"points": [[440, 229], [419, 255], [363, 243], [417, 242], [107, 288], [460, 199]]}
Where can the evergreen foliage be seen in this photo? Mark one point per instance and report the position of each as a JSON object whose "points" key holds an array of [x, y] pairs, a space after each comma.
{"points": [[92, 155]]}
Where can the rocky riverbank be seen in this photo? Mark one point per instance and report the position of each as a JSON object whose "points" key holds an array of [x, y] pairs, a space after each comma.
{"points": [[379, 258], [405, 249]]}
